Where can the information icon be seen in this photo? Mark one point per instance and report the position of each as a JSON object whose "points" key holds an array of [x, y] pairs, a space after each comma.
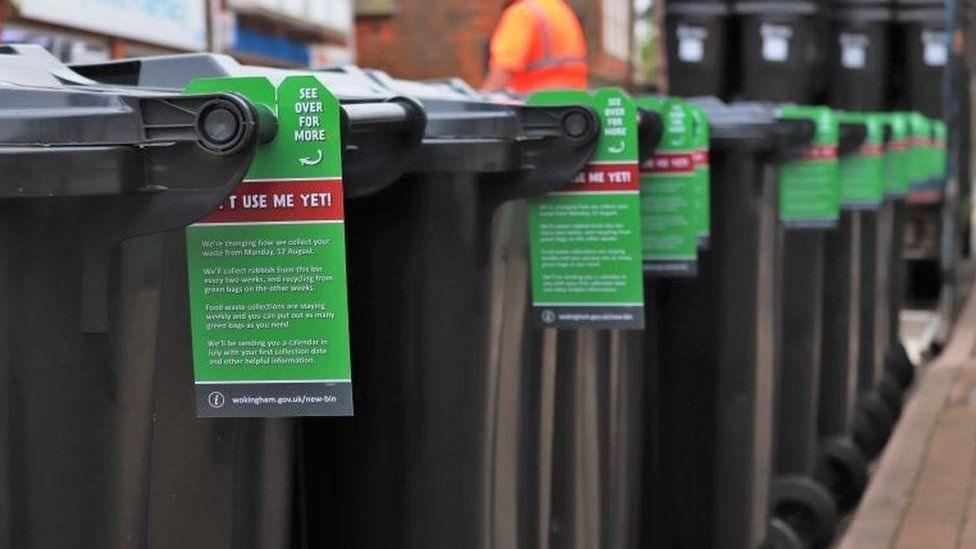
{"points": [[216, 399]]}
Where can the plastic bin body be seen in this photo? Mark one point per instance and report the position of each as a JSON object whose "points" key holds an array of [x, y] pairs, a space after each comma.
{"points": [[895, 282], [781, 51], [696, 34], [83, 280], [925, 53], [818, 316], [798, 371], [870, 292], [841, 326], [841, 341], [420, 446], [858, 58], [712, 400], [579, 412]]}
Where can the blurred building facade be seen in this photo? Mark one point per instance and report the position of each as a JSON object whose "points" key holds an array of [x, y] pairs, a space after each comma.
{"points": [[421, 39], [286, 33], [415, 39]]}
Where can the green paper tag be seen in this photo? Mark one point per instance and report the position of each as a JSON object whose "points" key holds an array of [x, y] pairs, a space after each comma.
{"points": [[267, 272], [670, 201], [896, 157], [862, 172], [919, 152], [585, 238], [703, 175], [941, 152], [809, 189]]}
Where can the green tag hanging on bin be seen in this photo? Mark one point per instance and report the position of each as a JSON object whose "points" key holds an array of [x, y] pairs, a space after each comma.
{"points": [[896, 157], [703, 175], [862, 173], [809, 188], [267, 269], [585, 238], [919, 152], [670, 201], [941, 151]]}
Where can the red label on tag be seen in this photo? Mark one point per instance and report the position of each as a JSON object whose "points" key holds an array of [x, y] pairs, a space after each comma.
{"points": [[281, 201], [605, 178], [820, 152], [670, 163]]}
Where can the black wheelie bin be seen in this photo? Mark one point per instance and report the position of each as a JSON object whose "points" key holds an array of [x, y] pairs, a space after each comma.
{"points": [[780, 50], [592, 403], [93, 178], [841, 465], [155, 474], [857, 56], [433, 446], [712, 342], [875, 418], [924, 199], [809, 196], [696, 35], [921, 51]]}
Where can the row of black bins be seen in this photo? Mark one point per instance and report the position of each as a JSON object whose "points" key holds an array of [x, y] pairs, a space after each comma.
{"points": [[471, 429], [793, 386], [855, 56], [842, 370]]}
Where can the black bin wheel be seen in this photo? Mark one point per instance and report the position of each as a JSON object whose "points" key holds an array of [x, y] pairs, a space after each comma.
{"points": [[780, 535], [873, 424], [898, 363], [843, 469], [807, 507], [890, 391]]}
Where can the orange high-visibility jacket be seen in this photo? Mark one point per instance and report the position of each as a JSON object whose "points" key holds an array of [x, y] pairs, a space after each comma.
{"points": [[541, 43]]}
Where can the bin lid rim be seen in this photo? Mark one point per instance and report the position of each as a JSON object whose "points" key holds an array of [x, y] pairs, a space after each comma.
{"points": [[775, 7], [697, 8], [740, 126], [868, 14], [915, 3], [921, 15]]}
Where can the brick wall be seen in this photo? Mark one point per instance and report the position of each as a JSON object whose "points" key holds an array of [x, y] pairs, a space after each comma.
{"points": [[604, 69], [438, 38], [429, 39]]}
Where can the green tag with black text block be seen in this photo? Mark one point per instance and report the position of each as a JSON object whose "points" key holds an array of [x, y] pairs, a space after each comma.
{"points": [[585, 238], [267, 269]]}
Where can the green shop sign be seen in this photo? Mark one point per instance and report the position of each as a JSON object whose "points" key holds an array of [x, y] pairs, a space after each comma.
{"points": [[809, 188], [585, 238], [267, 272]]}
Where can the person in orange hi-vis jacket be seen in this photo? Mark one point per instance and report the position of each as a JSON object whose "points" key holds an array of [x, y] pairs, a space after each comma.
{"points": [[537, 45]]}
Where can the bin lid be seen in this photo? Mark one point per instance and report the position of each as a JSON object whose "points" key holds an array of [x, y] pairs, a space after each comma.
{"points": [[863, 14], [933, 17], [918, 3], [775, 7], [753, 127], [465, 132], [650, 130], [133, 161], [48, 124], [694, 8], [381, 131], [852, 136]]}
